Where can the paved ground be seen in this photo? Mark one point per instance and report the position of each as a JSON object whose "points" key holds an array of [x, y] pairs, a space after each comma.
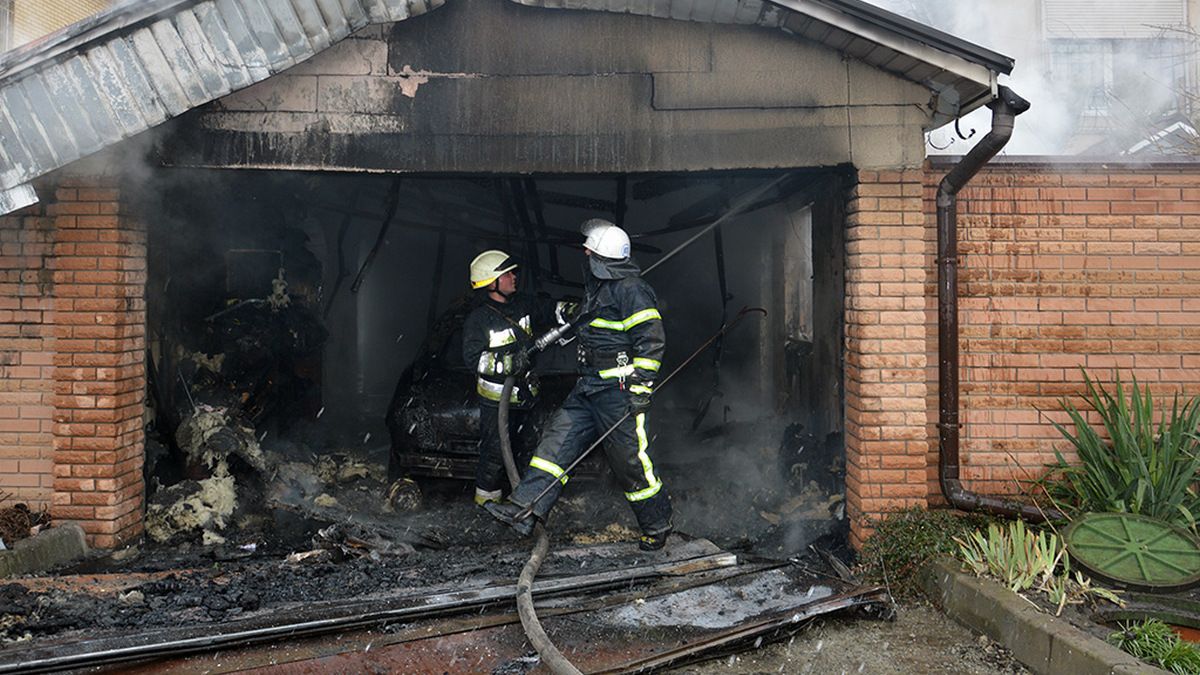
{"points": [[920, 640]]}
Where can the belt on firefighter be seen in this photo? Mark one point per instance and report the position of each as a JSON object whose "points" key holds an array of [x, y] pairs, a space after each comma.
{"points": [[615, 367]]}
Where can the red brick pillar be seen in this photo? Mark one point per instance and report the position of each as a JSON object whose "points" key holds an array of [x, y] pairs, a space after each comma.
{"points": [[99, 374], [885, 347]]}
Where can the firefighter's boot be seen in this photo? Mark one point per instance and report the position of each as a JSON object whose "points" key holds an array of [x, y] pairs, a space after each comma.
{"points": [[654, 541], [507, 512]]}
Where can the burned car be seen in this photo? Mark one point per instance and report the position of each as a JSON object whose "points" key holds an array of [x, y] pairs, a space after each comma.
{"points": [[433, 418]]}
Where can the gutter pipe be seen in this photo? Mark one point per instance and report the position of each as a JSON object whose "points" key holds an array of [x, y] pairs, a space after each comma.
{"points": [[1005, 108]]}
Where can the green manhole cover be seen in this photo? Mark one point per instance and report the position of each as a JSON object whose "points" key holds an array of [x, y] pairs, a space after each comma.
{"points": [[1136, 551]]}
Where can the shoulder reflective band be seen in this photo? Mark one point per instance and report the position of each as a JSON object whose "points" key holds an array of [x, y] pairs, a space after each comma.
{"points": [[633, 320], [499, 338], [550, 468], [647, 466]]}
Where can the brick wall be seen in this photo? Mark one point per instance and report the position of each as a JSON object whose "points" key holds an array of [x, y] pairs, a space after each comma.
{"points": [[99, 376], [26, 358], [1092, 266], [885, 346]]}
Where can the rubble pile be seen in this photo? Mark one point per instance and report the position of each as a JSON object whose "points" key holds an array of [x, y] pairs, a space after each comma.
{"points": [[19, 522]]}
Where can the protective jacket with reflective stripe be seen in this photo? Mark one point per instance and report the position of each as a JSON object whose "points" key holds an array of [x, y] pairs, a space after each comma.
{"points": [[494, 331], [622, 339]]}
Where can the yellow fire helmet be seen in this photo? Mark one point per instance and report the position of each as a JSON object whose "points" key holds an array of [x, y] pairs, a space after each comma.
{"points": [[490, 266]]}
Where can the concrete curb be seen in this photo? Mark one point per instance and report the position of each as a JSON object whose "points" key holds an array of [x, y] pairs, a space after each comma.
{"points": [[1042, 642], [55, 546]]}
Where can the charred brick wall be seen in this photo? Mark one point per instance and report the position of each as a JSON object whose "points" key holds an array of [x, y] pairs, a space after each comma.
{"points": [[1062, 268], [885, 346], [26, 358], [99, 261]]}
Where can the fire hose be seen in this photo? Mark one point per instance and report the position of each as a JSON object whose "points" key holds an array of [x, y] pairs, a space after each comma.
{"points": [[551, 656], [529, 621]]}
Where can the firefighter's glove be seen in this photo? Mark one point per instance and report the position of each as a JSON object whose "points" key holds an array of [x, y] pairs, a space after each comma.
{"points": [[519, 362], [566, 310]]}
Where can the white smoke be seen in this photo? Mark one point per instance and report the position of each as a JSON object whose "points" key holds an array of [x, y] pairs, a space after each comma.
{"points": [[1134, 81]]}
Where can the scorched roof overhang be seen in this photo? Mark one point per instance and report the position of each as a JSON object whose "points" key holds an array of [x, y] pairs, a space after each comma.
{"points": [[143, 62]]}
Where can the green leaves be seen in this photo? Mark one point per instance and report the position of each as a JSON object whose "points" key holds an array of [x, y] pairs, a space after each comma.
{"points": [[1154, 641], [1015, 555], [906, 539], [1025, 559], [1145, 466]]}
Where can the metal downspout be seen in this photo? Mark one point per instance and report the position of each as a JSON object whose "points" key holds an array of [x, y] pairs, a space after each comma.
{"points": [[1005, 109]]}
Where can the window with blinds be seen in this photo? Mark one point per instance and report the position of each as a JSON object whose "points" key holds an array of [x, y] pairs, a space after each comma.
{"points": [[6, 24], [1098, 19], [28, 20]]}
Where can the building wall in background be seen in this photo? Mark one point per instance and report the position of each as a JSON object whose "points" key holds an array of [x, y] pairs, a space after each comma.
{"points": [[29, 20]]}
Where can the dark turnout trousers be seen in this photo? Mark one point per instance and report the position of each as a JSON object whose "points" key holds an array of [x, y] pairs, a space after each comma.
{"points": [[587, 413], [490, 478]]}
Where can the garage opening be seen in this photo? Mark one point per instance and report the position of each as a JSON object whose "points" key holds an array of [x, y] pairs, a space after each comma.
{"points": [[305, 353]]}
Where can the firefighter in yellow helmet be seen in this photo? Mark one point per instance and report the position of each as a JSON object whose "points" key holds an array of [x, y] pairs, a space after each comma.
{"points": [[496, 335]]}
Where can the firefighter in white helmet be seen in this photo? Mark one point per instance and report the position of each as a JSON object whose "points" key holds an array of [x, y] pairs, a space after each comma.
{"points": [[495, 337], [621, 345]]}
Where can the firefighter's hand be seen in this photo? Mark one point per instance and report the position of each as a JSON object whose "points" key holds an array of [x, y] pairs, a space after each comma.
{"points": [[520, 363], [565, 310], [638, 403]]}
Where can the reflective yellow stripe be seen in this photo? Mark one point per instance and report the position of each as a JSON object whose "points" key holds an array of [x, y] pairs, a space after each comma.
{"points": [[641, 389], [491, 391], [499, 338], [484, 496], [647, 466], [550, 468], [647, 364], [604, 323], [641, 317], [644, 494], [633, 320], [619, 371]]}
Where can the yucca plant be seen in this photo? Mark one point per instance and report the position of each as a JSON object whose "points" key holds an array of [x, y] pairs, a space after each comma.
{"points": [[1147, 465]]}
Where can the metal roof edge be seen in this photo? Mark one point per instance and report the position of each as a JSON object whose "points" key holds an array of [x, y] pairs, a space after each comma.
{"points": [[929, 35], [870, 27]]}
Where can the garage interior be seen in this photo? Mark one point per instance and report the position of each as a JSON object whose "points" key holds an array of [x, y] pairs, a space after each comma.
{"points": [[298, 305]]}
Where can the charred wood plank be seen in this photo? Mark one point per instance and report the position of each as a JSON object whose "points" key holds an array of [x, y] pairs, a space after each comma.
{"points": [[316, 620]]}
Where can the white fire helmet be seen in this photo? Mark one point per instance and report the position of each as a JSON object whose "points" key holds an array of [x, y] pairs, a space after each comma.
{"points": [[490, 266], [605, 239]]}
